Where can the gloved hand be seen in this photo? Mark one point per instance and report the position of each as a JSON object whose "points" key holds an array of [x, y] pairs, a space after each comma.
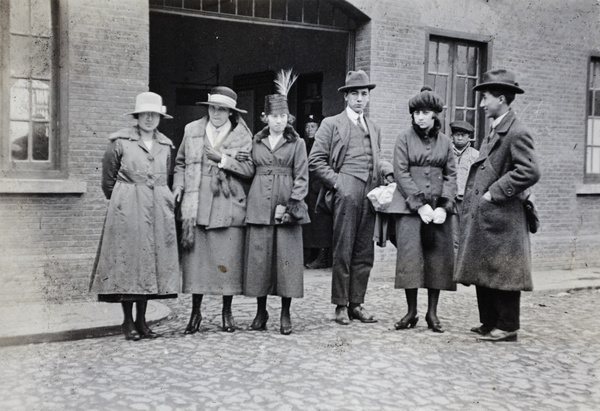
{"points": [[426, 213], [439, 215], [286, 219]]}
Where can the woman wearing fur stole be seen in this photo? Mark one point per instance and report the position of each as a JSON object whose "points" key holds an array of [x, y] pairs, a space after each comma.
{"points": [[207, 181], [276, 208]]}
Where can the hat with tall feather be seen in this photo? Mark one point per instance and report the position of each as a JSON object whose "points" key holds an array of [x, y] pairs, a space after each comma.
{"points": [[277, 103]]}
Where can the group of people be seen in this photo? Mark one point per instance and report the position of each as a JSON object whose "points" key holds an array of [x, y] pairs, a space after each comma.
{"points": [[457, 213]]}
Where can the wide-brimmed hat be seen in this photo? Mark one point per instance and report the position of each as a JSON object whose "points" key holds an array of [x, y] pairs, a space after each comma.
{"points": [[461, 125], [222, 96], [499, 79], [149, 102], [426, 99], [357, 79]]}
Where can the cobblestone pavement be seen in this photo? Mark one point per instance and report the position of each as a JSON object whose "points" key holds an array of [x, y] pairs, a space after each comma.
{"points": [[555, 364]]}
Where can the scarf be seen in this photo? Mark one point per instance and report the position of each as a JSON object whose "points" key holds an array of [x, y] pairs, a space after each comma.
{"points": [[239, 139]]}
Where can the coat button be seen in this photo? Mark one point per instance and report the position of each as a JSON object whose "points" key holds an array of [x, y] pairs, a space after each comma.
{"points": [[477, 191], [150, 158], [483, 167], [428, 148]]}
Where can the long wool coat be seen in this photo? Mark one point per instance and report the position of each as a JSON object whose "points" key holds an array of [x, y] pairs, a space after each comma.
{"points": [[494, 249], [138, 250]]}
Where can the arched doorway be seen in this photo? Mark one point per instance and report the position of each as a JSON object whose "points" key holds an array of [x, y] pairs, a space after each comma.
{"points": [[197, 44]]}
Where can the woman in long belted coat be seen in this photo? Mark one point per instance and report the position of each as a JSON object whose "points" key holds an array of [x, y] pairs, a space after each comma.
{"points": [[208, 175], [425, 173], [276, 208], [137, 259], [494, 251]]}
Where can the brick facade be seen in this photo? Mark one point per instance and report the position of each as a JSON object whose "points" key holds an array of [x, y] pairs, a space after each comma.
{"points": [[48, 241]]}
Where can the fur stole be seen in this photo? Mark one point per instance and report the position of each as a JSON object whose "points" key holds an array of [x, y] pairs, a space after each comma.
{"points": [[238, 139]]}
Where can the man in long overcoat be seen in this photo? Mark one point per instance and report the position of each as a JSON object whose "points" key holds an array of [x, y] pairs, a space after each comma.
{"points": [[346, 159], [494, 250]]}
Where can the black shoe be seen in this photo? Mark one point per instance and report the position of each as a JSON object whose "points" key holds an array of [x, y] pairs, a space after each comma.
{"points": [[341, 315], [228, 324], [482, 330], [130, 332], [359, 313], [407, 321], [434, 325], [260, 322], [497, 335], [146, 332], [194, 324], [286, 325]]}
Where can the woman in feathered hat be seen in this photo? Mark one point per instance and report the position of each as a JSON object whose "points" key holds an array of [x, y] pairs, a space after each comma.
{"points": [[137, 259], [276, 208], [425, 172], [208, 174]]}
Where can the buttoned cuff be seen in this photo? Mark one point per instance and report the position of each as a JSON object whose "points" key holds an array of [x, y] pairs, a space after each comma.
{"points": [[223, 161]]}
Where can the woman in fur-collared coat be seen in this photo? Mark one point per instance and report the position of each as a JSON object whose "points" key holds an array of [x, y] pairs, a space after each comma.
{"points": [[276, 208], [425, 172], [211, 161]]}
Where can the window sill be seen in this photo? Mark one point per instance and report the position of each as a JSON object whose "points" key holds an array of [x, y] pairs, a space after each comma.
{"points": [[588, 189], [16, 186]]}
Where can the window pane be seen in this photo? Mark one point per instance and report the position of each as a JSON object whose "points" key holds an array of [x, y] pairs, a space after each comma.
{"points": [[595, 75], [593, 137], [173, 3], [442, 58], [596, 103], [40, 149], [278, 9], [294, 10], [432, 57], [471, 102], [192, 4], [40, 100], [41, 21], [311, 7], [210, 5], [19, 140], [262, 9], [19, 56], [459, 115], [593, 160], [245, 7], [473, 59], [461, 60], [41, 52], [228, 6], [470, 117], [19, 100], [325, 13], [19, 17], [441, 85], [460, 92]]}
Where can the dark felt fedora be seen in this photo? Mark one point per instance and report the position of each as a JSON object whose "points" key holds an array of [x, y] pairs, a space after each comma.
{"points": [[462, 126], [357, 79], [499, 79]]}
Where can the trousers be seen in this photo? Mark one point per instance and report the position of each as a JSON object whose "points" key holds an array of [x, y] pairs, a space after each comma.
{"points": [[498, 308]]}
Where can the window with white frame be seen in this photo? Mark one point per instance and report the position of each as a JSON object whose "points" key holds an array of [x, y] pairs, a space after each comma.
{"points": [[453, 68], [592, 141], [28, 114]]}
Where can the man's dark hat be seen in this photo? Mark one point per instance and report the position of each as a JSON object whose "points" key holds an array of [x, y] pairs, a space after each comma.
{"points": [[499, 79], [357, 79], [426, 99], [461, 125], [313, 118]]}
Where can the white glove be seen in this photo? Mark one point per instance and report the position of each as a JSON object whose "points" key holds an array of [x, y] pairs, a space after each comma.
{"points": [[439, 215], [426, 213]]}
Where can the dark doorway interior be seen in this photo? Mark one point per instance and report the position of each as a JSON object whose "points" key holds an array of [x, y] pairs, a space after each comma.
{"points": [[189, 55]]}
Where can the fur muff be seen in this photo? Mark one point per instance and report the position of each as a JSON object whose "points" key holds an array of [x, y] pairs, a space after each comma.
{"points": [[446, 204], [296, 208], [415, 201]]}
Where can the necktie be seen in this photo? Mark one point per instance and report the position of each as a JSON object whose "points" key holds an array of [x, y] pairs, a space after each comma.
{"points": [[485, 147], [361, 123]]}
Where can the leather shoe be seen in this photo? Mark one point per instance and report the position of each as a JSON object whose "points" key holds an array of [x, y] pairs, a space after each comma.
{"points": [[260, 322], [434, 324], [407, 322], [359, 313], [341, 315], [146, 332], [130, 332], [497, 335], [228, 324], [481, 330], [194, 324]]}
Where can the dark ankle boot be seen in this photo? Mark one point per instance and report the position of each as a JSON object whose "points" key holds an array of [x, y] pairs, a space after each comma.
{"points": [[228, 325], [196, 317], [320, 261]]}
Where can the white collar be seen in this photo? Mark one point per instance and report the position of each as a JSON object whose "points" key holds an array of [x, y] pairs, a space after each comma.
{"points": [[274, 140], [352, 115], [498, 120], [215, 134]]}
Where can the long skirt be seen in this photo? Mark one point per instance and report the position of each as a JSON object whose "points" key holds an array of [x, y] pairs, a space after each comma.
{"points": [[425, 257], [216, 263], [274, 261]]}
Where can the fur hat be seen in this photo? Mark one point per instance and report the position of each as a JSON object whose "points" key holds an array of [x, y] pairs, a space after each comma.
{"points": [[426, 99]]}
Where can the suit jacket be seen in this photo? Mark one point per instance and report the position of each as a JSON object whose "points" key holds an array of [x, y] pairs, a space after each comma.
{"points": [[494, 248], [329, 149]]}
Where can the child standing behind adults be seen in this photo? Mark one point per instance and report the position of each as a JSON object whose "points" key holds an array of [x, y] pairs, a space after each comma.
{"points": [[137, 259], [276, 208]]}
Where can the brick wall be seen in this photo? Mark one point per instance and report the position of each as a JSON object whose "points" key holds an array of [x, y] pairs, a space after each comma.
{"points": [[548, 44], [48, 242]]}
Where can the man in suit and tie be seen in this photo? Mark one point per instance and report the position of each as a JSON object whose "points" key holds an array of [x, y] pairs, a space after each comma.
{"points": [[346, 159], [494, 251]]}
